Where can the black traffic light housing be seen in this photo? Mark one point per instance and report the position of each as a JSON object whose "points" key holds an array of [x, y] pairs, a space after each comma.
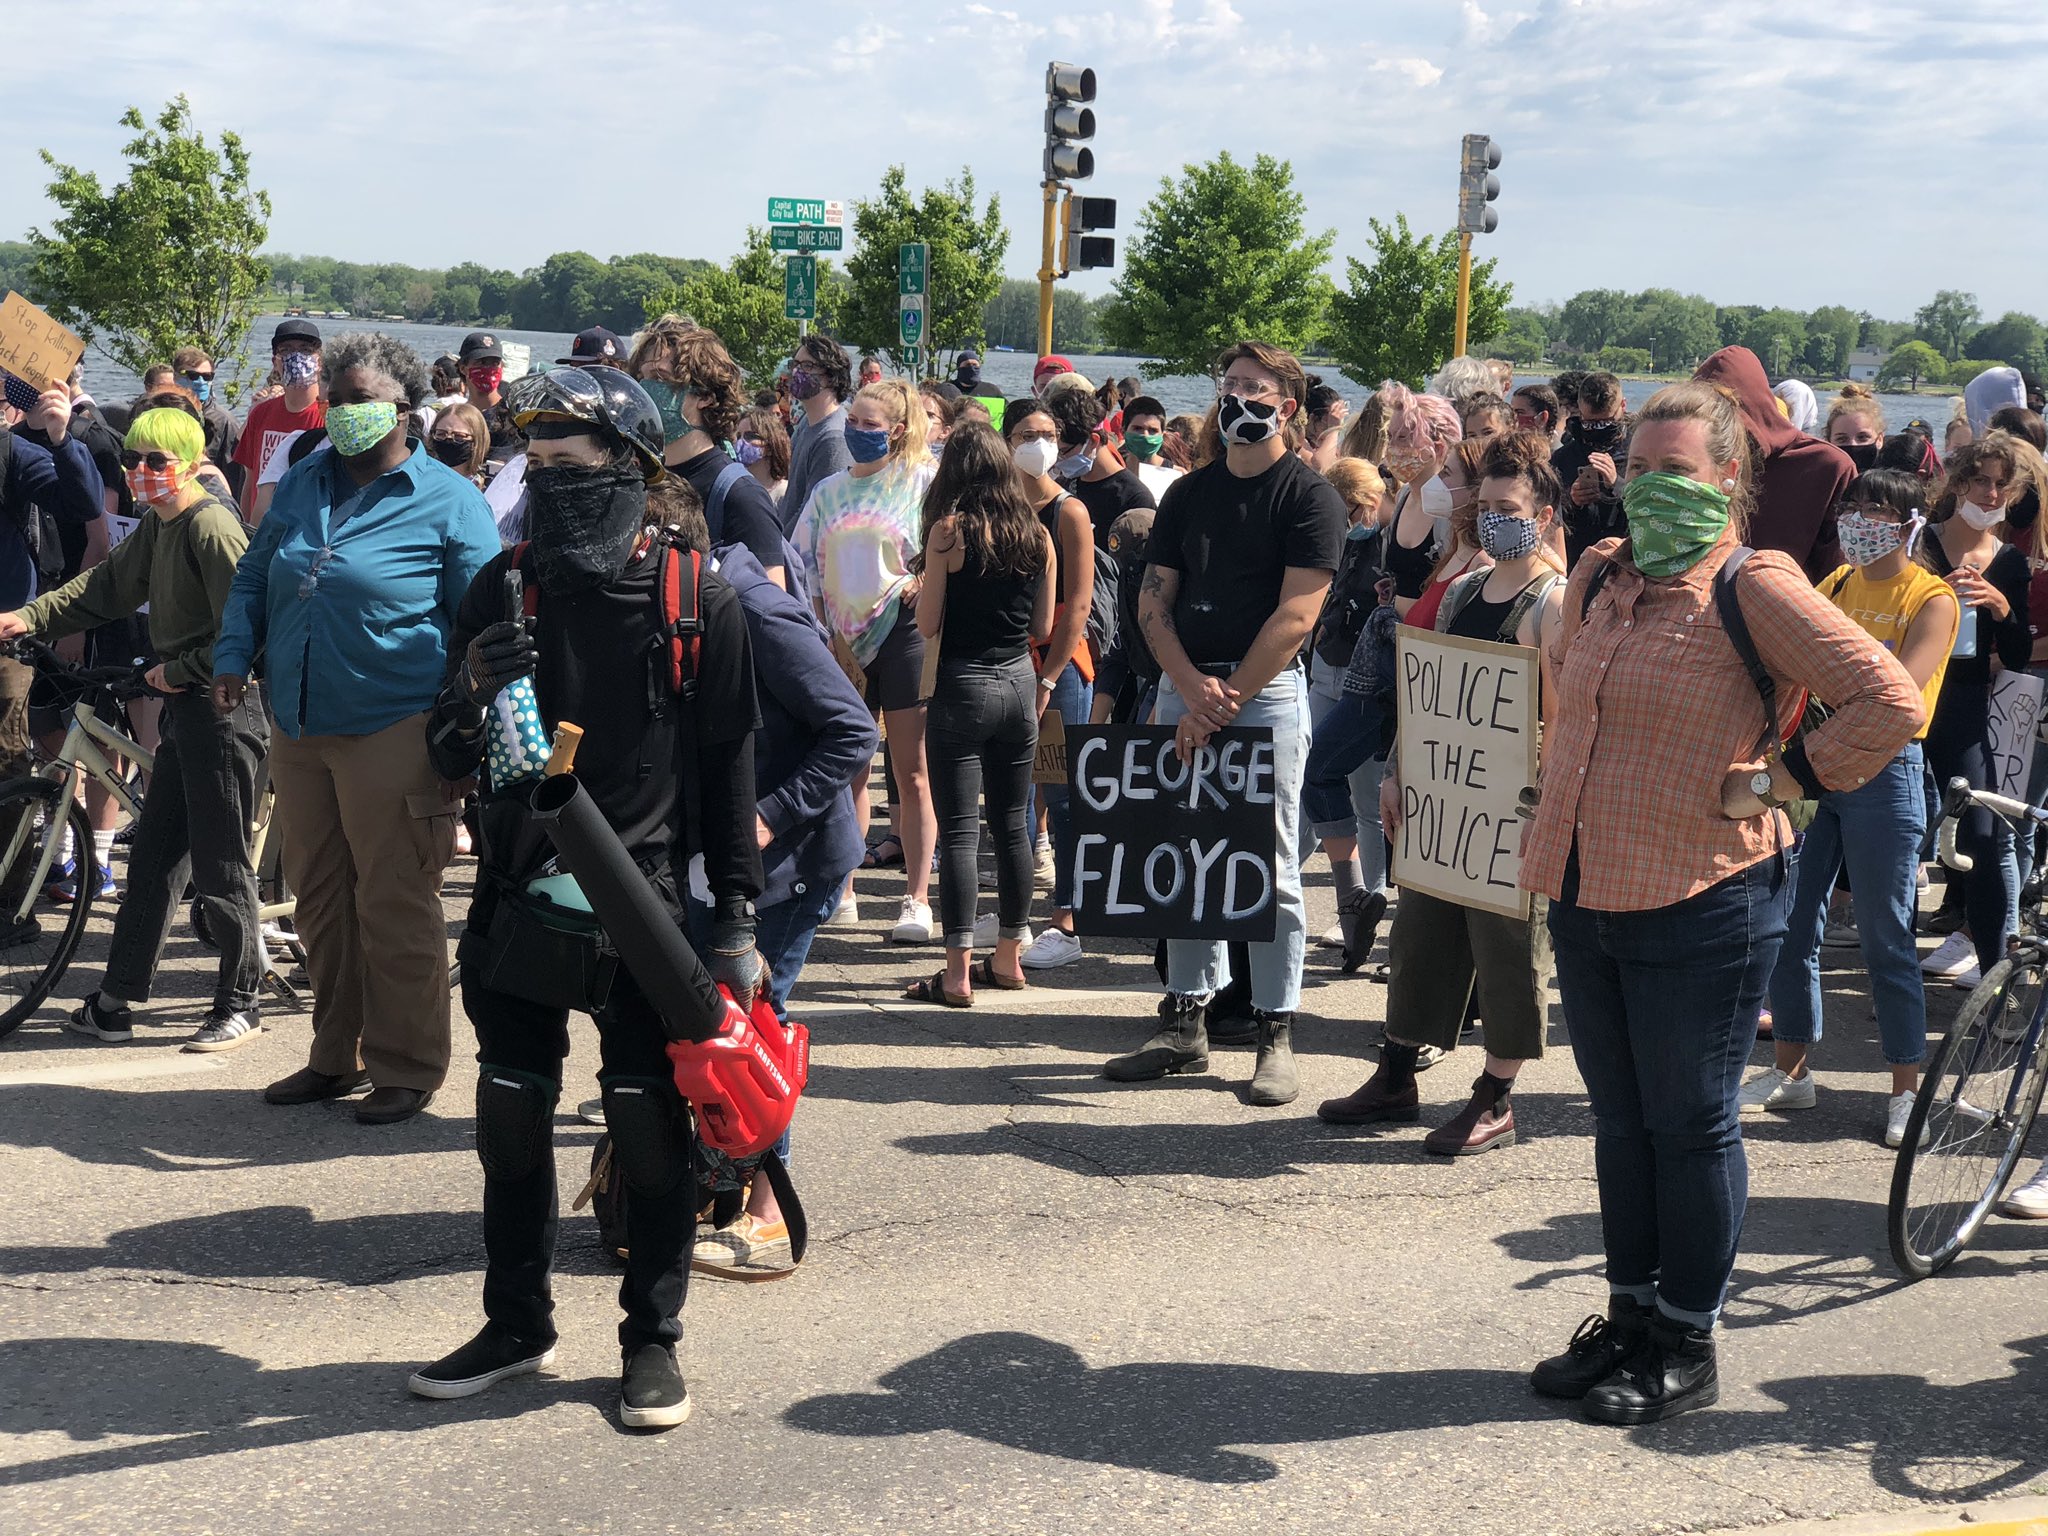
{"points": [[1080, 251], [1478, 186]]}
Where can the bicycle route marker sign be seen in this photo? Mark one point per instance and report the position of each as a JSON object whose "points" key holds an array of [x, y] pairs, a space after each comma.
{"points": [[806, 210]]}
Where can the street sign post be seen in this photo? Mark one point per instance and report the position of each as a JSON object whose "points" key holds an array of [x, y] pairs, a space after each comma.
{"points": [[804, 237], [913, 361], [806, 210], [800, 288], [913, 279]]}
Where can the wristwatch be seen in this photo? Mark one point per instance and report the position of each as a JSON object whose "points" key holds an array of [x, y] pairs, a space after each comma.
{"points": [[1760, 786], [1048, 684]]}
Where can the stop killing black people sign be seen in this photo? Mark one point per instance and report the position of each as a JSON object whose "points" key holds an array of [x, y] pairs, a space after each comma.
{"points": [[1170, 850], [1466, 751]]}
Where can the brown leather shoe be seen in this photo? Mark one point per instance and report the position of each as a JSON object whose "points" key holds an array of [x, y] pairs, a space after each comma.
{"points": [[1373, 1102], [1479, 1127], [388, 1106], [306, 1086]]}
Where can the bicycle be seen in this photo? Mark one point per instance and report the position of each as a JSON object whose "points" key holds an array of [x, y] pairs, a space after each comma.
{"points": [[32, 829], [1982, 1088]]}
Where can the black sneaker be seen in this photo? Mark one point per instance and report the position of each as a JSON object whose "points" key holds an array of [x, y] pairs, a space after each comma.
{"points": [[225, 1031], [15, 932], [652, 1394], [484, 1361], [1595, 1352], [1672, 1371], [100, 1022]]}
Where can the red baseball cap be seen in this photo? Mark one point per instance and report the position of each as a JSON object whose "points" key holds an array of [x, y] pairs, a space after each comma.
{"points": [[1054, 364]]}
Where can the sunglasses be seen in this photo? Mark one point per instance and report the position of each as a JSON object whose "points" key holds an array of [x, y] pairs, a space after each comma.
{"points": [[198, 378], [159, 462]]}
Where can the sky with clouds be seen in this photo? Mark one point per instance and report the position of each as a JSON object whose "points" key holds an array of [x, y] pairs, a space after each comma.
{"points": [[1756, 151]]}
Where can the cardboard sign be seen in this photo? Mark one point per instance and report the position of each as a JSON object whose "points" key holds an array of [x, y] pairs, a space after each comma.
{"points": [[1467, 749], [35, 348], [1173, 850], [1050, 766], [2015, 718]]}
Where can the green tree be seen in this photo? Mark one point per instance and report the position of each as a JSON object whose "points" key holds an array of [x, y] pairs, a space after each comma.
{"points": [[965, 273], [166, 258], [1676, 329], [2013, 338], [1946, 319], [1523, 339], [1832, 333], [1220, 255], [1964, 369], [1777, 337], [1010, 319], [1909, 363], [1396, 318], [1625, 360], [743, 302], [1593, 318]]}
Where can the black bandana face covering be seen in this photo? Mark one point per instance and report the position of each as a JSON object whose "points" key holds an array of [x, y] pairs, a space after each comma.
{"points": [[585, 523]]}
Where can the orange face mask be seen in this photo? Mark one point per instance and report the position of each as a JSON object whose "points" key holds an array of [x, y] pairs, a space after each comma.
{"points": [[154, 485]]}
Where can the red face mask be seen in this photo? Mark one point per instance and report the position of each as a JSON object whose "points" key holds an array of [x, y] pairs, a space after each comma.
{"points": [[154, 485], [485, 377]]}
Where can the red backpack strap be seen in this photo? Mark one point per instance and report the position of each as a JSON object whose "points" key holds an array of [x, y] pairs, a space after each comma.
{"points": [[530, 590], [683, 624]]}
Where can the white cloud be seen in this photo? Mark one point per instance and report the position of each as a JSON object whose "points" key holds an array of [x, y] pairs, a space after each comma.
{"points": [[1417, 72]]}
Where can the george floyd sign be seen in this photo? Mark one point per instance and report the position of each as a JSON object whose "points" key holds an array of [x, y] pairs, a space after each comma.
{"points": [[1167, 849]]}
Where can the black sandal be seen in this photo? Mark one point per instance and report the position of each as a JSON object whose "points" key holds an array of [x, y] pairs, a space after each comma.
{"points": [[983, 973], [874, 858], [934, 991]]}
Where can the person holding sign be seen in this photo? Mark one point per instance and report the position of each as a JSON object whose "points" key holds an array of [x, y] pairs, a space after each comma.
{"points": [[1241, 553], [1875, 830], [1445, 952], [1659, 843]]}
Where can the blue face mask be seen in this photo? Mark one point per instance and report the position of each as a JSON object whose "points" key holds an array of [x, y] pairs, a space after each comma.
{"points": [[202, 389], [1074, 465], [867, 446], [669, 401]]}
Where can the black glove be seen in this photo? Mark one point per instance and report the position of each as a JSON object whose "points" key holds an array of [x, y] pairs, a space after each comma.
{"points": [[733, 961], [502, 654]]}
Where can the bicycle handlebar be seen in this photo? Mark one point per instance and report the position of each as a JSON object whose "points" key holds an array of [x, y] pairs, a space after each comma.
{"points": [[123, 681], [1958, 798]]}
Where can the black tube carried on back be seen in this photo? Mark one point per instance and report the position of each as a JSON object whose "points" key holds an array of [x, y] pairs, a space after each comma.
{"points": [[640, 927]]}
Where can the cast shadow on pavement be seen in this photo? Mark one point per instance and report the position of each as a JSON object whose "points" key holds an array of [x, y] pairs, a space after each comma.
{"points": [[1178, 1419], [1801, 1255], [197, 1400], [199, 1128], [1948, 1444]]}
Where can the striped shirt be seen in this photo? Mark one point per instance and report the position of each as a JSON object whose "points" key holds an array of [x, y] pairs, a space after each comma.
{"points": [[1655, 708]]}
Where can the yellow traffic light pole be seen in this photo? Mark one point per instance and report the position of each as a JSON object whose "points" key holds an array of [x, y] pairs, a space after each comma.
{"points": [[1464, 290], [1046, 275]]}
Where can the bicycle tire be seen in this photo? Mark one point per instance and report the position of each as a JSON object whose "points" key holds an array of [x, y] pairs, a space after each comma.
{"points": [[1942, 1193], [24, 986]]}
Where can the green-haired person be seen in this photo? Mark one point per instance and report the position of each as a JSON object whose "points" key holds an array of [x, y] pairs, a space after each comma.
{"points": [[180, 560]]}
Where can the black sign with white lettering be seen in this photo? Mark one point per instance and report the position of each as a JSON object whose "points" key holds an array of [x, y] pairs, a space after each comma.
{"points": [[1173, 850]]}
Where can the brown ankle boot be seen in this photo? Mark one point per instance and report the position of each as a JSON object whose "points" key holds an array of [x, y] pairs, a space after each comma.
{"points": [[1483, 1124], [1377, 1099]]}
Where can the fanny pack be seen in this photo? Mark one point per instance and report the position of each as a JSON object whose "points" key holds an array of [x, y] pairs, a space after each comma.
{"points": [[541, 951]]}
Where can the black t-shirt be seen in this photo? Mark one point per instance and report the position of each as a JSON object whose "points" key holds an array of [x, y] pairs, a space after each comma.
{"points": [[1963, 707], [1109, 498], [748, 514], [603, 665], [1232, 540], [988, 615]]}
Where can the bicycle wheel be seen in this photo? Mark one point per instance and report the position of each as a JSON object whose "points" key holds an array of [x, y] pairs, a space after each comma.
{"points": [[34, 952], [1975, 1106]]}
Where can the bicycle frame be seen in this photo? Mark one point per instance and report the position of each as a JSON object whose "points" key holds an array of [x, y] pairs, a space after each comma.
{"points": [[81, 753]]}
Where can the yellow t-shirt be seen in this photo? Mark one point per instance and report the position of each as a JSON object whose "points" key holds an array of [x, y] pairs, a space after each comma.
{"points": [[1886, 611]]}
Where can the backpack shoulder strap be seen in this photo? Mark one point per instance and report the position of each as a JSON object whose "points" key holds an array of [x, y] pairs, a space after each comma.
{"points": [[1594, 583], [1460, 592], [1526, 599], [1729, 605], [714, 504], [682, 615]]}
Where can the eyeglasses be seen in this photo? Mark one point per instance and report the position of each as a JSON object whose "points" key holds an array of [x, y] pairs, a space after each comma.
{"points": [[1251, 389], [1048, 435], [1525, 418], [159, 462], [310, 582], [1876, 511], [196, 377], [464, 444]]}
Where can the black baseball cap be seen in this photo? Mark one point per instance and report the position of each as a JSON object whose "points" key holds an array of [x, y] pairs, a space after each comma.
{"points": [[481, 347], [295, 328], [595, 345]]}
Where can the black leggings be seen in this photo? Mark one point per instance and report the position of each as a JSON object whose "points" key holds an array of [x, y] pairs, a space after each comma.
{"points": [[1987, 889], [980, 735]]}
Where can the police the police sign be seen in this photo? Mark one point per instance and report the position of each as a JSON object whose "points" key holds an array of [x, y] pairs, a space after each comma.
{"points": [[1166, 849]]}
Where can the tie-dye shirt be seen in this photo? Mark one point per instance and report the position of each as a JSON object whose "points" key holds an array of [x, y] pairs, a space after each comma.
{"points": [[858, 535]]}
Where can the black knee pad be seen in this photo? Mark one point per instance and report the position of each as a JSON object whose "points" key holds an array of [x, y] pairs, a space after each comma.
{"points": [[649, 1130], [515, 1114]]}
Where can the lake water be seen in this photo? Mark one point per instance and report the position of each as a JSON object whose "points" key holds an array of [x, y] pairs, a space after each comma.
{"points": [[1011, 371]]}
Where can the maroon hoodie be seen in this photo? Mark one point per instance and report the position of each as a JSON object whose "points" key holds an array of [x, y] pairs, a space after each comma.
{"points": [[1802, 477]]}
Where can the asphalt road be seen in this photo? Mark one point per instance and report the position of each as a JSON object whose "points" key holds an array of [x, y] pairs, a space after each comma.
{"points": [[1036, 1301]]}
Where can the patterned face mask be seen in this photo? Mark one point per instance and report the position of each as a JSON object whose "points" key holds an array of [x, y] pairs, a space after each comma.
{"points": [[357, 428], [300, 368], [1672, 522], [1867, 540], [1506, 537], [158, 485]]}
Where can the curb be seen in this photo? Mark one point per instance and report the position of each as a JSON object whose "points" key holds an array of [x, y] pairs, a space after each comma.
{"points": [[2006, 1517]]}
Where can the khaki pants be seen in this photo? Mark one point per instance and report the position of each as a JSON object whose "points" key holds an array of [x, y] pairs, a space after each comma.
{"points": [[368, 828]]}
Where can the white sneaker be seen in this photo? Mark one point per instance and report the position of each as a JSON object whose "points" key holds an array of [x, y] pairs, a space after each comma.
{"points": [[1956, 954], [1055, 946], [845, 915], [1897, 1112], [1331, 937], [1840, 932], [913, 923], [1771, 1091], [2030, 1201], [1966, 980], [988, 928], [1041, 864]]}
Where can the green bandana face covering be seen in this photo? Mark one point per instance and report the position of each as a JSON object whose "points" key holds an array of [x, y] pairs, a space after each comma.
{"points": [[356, 429], [1143, 445], [1672, 522]]}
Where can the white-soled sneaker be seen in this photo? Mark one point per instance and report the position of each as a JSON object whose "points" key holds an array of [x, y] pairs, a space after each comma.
{"points": [[845, 915], [1773, 1090], [988, 927], [913, 923], [1055, 946], [1954, 955], [1966, 979], [1840, 932], [1331, 937], [2030, 1201], [1898, 1110]]}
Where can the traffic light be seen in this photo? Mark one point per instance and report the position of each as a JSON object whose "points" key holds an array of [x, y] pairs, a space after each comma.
{"points": [[1478, 186], [1068, 121], [1078, 250]]}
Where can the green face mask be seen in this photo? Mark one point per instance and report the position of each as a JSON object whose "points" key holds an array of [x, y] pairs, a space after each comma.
{"points": [[1143, 445], [1672, 522]]}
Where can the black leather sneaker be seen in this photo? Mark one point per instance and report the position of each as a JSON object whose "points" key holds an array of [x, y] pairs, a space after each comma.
{"points": [[224, 1031], [1671, 1371], [652, 1394], [1595, 1352], [484, 1361], [96, 1020]]}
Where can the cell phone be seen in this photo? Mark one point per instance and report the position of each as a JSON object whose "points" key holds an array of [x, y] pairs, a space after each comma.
{"points": [[21, 394]]}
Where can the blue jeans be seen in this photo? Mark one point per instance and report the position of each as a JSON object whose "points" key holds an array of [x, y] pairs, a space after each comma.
{"points": [[1340, 786], [1876, 830], [1662, 1007], [1196, 967], [1071, 700]]}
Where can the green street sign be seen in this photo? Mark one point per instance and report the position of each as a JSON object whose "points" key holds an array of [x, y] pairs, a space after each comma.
{"points": [[805, 238], [910, 319], [796, 210], [800, 288], [913, 360], [913, 268]]}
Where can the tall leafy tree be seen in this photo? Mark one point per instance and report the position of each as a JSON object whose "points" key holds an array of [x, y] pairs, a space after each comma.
{"points": [[1777, 337], [1946, 319], [2013, 338], [167, 257], [1397, 315], [743, 302], [966, 272], [1832, 333], [1594, 318], [1676, 329], [1908, 364], [1221, 255]]}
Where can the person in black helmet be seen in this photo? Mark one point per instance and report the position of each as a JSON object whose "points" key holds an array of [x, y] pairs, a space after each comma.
{"points": [[673, 772]]}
